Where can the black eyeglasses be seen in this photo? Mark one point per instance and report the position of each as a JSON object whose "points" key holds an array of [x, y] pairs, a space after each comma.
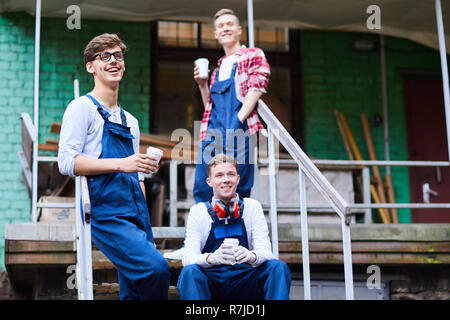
{"points": [[106, 56]]}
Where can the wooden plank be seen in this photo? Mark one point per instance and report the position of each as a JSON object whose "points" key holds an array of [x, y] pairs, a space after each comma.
{"points": [[51, 141], [391, 197], [375, 169], [343, 135], [55, 127], [48, 147], [157, 140], [370, 246], [384, 214], [157, 208], [114, 288], [369, 258], [38, 246], [45, 258], [101, 262]]}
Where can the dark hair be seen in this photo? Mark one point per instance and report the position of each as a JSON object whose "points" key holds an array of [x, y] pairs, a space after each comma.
{"points": [[102, 42]]}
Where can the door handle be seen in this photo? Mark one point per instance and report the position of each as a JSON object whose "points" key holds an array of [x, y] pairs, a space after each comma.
{"points": [[426, 190]]}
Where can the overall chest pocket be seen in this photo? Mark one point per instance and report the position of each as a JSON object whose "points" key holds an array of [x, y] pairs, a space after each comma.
{"points": [[227, 231]]}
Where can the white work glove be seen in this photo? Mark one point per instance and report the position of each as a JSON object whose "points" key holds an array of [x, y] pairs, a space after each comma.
{"points": [[243, 255], [223, 255]]}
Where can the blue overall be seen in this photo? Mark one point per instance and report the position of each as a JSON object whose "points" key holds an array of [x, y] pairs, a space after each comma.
{"points": [[269, 281], [224, 126], [120, 221]]}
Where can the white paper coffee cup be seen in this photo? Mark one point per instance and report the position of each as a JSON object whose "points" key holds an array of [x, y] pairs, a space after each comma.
{"points": [[157, 153], [234, 242], [202, 65]]}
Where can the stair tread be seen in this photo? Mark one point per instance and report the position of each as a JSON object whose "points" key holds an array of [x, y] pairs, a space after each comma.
{"points": [[113, 288]]}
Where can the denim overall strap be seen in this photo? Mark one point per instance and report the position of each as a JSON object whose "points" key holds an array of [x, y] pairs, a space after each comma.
{"points": [[105, 114]]}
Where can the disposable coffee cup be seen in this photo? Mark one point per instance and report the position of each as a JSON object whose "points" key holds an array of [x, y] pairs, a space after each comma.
{"points": [[234, 242], [155, 152], [202, 65]]}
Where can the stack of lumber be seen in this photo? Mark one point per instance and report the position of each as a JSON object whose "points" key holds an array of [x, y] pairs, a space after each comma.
{"points": [[185, 149], [377, 188]]}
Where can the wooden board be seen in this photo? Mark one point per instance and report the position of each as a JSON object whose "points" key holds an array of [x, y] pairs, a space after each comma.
{"points": [[38, 246], [184, 150], [369, 258], [370, 246], [40, 258]]}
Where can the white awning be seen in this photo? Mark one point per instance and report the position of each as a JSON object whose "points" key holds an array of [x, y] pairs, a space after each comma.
{"points": [[413, 20]]}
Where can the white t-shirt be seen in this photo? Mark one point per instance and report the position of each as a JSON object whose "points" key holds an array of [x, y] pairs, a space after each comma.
{"points": [[82, 132], [226, 66], [225, 70], [198, 227]]}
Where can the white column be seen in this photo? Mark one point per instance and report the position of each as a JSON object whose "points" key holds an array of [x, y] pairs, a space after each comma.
{"points": [[444, 68], [37, 46], [251, 32]]}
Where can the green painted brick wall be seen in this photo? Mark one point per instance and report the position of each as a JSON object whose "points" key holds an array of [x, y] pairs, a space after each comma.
{"points": [[335, 76], [61, 60]]}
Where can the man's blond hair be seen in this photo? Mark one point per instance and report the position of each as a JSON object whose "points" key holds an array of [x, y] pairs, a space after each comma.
{"points": [[223, 12], [219, 159]]}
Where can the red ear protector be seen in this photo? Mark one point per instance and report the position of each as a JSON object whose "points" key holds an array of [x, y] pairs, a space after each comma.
{"points": [[222, 211]]}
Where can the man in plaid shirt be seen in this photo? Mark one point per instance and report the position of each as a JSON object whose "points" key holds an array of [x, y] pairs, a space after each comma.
{"points": [[238, 82]]}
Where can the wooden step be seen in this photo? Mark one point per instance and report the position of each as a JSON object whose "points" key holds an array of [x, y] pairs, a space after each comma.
{"points": [[101, 262], [110, 291]]}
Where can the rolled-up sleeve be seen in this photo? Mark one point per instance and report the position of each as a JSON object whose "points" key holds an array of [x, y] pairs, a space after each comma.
{"points": [[258, 71], [72, 137]]}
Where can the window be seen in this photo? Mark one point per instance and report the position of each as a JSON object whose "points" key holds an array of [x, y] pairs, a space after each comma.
{"points": [[177, 34], [201, 35], [175, 99]]}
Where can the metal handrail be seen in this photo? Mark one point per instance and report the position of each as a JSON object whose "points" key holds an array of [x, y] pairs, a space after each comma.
{"points": [[84, 275], [308, 168]]}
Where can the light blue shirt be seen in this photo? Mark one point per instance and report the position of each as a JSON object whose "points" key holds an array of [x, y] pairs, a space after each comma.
{"points": [[82, 133]]}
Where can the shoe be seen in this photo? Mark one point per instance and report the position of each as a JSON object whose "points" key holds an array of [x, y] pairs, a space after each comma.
{"points": [[174, 255]]}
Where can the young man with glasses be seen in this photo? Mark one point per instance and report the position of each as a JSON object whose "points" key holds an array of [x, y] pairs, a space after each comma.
{"points": [[100, 140]]}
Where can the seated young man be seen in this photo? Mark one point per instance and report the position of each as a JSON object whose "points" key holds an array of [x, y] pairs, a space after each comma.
{"points": [[213, 269]]}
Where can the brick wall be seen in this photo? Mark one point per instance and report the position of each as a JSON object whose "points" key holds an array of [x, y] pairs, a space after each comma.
{"points": [[335, 76], [61, 59]]}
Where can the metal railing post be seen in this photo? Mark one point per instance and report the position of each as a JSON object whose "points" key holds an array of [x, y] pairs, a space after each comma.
{"points": [[348, 268], [304, 230], [366, 194], [272, 193], [173, 172], [83, 240]]}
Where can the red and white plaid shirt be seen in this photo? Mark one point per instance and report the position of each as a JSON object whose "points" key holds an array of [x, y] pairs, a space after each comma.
{"points": [[253, 72]]}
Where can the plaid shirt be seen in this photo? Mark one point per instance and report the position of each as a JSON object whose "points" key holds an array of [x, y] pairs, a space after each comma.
{"points": [[253, 72]]}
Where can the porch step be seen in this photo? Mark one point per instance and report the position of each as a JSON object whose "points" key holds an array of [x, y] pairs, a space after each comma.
{"points": [[101, 262], [110, 291]]}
